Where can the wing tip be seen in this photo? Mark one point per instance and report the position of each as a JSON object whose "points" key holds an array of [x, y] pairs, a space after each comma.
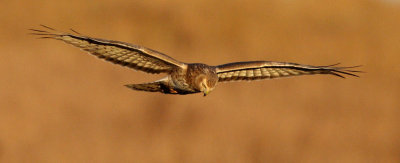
{"points": [[339, 71], [49, 32], [45, 32]]}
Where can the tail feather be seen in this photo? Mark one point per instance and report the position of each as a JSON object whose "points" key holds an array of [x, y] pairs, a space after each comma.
{"points": [[149, 87], [159, 86]]}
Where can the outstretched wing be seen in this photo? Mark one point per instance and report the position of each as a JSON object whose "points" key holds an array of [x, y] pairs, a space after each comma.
{"points": [[256, 70], [133, 56]]}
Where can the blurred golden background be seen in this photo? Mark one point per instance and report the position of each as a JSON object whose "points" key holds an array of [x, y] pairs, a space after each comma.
{"points": [[59, 104]]}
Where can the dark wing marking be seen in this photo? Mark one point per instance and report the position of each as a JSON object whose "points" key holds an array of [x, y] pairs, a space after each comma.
{"points": [[133, 56], [256, 70]]}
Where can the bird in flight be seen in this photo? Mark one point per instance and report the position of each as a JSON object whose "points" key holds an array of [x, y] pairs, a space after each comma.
{"points": [[185, 78]]}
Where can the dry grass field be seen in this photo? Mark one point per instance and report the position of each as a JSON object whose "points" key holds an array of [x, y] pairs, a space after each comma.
{"points": [[59, 104]]}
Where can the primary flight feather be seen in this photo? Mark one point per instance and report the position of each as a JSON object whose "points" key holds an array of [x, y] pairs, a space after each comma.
{"points": [[185, 78]]}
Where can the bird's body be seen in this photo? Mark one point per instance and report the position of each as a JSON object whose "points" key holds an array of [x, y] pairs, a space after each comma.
{"points": [[185, 78], [183, 81]]}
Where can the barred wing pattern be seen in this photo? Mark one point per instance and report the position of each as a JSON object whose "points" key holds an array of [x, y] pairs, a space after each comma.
{"points": [[256, 70], [133, 56], [185, 78]]}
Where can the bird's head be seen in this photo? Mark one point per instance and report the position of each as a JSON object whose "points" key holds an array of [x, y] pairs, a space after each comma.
{"points": [[205, 85]]}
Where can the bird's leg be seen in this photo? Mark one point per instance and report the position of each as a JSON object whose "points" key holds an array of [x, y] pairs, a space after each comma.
{"points": [[171, 90]]}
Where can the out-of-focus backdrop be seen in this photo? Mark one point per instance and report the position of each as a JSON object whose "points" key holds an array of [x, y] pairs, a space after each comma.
{"points": [[59, 104]]}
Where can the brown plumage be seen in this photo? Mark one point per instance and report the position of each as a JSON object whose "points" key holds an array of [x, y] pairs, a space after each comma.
{"points": [[184, 78]]}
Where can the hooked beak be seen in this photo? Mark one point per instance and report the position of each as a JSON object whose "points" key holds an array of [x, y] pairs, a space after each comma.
{"points": [[206, 91]]}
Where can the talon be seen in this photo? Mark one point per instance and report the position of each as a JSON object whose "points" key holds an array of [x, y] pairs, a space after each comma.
{"points": [[172, 91]]}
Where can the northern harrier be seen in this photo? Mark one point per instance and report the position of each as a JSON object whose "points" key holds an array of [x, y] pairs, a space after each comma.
{"points": [[185, 78]]}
